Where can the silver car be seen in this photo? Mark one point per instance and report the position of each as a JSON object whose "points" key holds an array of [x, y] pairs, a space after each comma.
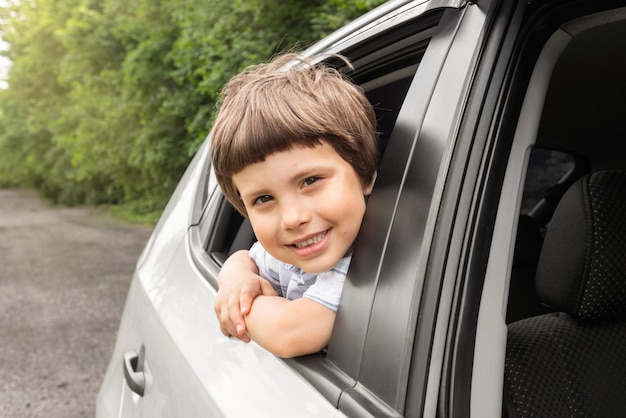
{"points": [[498, 209]]}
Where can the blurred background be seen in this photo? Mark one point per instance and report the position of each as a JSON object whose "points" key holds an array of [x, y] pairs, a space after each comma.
{"points": [[106, 101], [102, 105]]}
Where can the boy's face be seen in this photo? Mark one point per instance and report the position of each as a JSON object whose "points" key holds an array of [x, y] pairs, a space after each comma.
{"points": [[305, 205]]}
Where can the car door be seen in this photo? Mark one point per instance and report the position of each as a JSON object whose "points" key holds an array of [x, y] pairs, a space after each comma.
{"points": [[399, 369], [459, 89], [170, 358], [400, 69]]}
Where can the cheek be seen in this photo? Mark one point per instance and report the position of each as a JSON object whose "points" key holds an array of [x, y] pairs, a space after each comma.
{"points": [[261, 227], [347, 208]]}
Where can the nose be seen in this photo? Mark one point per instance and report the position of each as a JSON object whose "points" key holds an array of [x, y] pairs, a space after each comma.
{"points": [[294, 214]]}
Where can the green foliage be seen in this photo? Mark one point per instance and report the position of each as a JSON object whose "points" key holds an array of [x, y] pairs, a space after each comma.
{"points": [[109, 99]]}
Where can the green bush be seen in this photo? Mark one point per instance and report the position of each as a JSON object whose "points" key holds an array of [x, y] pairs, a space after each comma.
{"points": [[109, 99]]}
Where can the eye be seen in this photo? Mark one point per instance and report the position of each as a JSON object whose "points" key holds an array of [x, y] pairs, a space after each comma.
{"points": [[310, 180], [262, 199]]}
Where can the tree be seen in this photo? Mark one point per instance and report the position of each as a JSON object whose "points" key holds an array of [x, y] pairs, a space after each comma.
{"points": [[109, 99]]}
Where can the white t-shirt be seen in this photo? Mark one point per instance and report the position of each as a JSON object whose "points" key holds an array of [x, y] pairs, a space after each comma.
{"points": [[292, 283]]}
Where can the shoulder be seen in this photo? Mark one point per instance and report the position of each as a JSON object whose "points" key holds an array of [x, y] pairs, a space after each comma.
{"points": [[339, 270], [342, 266]]}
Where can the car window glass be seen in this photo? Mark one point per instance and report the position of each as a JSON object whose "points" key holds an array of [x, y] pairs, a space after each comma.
{"points": [[546, 167], [549, 173]]}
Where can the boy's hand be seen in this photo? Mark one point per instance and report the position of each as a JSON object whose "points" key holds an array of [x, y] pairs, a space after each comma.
{"points": [[239, 284]]}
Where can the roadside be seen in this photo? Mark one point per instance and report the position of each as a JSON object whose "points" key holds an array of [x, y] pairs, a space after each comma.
{"points": [[64, 274]]}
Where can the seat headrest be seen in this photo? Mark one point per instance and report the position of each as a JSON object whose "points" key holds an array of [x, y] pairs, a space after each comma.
{"points": [[582, 267]]}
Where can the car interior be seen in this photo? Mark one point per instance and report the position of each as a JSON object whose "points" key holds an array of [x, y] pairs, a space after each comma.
{"points": [[566, 311]]}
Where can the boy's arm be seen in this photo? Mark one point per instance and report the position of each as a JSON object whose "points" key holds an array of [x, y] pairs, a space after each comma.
{"points": [[239, 284], [290, 328]]}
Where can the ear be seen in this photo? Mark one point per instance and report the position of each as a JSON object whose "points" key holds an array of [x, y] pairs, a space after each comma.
{"points": [[367, 189]]}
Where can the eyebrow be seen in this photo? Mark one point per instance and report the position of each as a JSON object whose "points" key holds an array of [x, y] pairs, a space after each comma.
{"points": [[253, 195], [303, 173]]}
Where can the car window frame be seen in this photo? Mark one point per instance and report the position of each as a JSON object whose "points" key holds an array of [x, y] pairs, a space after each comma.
{"points": [[441, 124], [435, 123], [472, 234]]}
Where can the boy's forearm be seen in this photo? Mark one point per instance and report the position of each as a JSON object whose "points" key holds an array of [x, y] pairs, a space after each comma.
{"points": [[289, 328], [238, 284], [236, 261]]}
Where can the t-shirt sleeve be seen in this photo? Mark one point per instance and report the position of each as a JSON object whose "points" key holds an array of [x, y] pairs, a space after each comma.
{"points": [[328, 286], [268, 266]]}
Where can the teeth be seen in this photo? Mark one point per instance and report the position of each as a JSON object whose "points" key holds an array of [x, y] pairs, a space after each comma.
{"points": [[311, 241]]}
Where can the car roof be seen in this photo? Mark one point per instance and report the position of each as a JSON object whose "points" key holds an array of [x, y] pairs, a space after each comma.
{"points": [[388, 15]]}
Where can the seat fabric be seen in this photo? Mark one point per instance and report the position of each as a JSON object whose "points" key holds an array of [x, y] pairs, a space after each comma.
{"points": [[573, 363], [560, 366]]}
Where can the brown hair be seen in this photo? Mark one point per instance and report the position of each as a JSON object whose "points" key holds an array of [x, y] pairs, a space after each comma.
{"points": [[290, 102]]}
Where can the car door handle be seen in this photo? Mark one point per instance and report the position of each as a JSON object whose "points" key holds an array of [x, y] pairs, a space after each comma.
{"points": [[134, 371]]}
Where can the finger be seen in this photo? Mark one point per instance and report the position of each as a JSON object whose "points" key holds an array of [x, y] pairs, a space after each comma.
{"points": [[218, 313], [235, 318], [245, 302], [267, 289], [249, 291], [226, 323], [222, 315]]}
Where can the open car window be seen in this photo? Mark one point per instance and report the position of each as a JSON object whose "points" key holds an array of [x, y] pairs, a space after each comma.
{"points": [[385, 67], [385, 80]]}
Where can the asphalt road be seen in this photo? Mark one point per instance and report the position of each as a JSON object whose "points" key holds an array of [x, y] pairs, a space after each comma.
{"points": [[64, 274]]}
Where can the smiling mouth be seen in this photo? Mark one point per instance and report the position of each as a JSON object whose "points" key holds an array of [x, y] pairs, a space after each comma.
{"points": [[313, 240]]}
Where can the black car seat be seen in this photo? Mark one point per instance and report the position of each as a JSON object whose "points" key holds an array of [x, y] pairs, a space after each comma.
{"points": [[573, 363]]}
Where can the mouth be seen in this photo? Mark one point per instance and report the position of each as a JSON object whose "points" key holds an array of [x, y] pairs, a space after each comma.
{"points": [[313, 240]]}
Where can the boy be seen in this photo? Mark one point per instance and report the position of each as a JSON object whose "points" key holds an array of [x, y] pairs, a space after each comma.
{"points": [[294, 149]]}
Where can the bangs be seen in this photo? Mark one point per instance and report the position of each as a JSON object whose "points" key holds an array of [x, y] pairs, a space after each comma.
{"points": [[276, 115], [265, 129], [273, 108]]}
